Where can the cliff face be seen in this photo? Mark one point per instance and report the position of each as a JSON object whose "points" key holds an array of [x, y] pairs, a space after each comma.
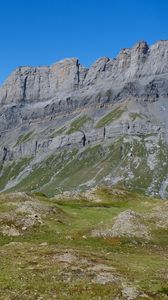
{"points": [[117, 106], [42, 83], [36, 92], [67, 76]]}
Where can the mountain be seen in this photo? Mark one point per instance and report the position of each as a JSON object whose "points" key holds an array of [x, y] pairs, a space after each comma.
{"points": [[69, 128]]}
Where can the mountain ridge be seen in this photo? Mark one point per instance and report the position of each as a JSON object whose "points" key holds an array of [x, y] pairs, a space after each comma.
{"points": [[109, 120], [69, 74]]}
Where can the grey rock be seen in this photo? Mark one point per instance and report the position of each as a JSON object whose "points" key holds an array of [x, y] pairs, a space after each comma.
{"points": [[127, 224], [130, 293], [68, 77], [42, 83]]}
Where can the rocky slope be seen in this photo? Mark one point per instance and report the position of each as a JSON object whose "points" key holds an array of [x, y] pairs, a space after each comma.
{"points": [[66, 127]]}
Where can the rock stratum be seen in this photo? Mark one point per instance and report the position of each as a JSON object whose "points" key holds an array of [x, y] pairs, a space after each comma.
{"points": [[66, 127]]}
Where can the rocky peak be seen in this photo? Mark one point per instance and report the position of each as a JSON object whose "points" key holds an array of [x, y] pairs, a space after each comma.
{"points": [[157, 61], [96, 69], [141, 47]]}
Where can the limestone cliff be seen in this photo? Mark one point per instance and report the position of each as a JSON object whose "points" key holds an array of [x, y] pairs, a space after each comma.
{"points": [[141, 63]]}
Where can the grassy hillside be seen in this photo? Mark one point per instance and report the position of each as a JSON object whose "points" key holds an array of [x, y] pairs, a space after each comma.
{"points": [[49, 249], [139, 163]]}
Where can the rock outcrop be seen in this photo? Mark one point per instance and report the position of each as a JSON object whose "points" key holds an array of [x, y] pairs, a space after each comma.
{"points": [[127, 224]]}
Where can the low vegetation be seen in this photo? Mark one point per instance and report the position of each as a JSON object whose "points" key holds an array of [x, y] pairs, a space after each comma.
{"points": [[135, 115], [10, 171], [57, 132], [25, 137], [110, 117], [136, 164], [78, 124], [54, 254]]}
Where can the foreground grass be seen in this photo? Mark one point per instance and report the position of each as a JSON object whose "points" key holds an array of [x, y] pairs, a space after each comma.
{"points": [[59, 259]]}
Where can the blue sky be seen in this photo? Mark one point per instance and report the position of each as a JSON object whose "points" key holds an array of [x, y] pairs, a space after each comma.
{"points": [[41, 32]]}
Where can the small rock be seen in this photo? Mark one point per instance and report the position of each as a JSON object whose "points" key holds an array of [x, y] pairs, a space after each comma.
{"points": [[105, 277], [130, 293], [66, 257], [9, 231], [44, 244], [24, 228]]}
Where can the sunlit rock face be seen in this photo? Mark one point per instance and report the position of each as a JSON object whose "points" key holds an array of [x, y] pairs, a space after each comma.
{"points": [[43, 83]]}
